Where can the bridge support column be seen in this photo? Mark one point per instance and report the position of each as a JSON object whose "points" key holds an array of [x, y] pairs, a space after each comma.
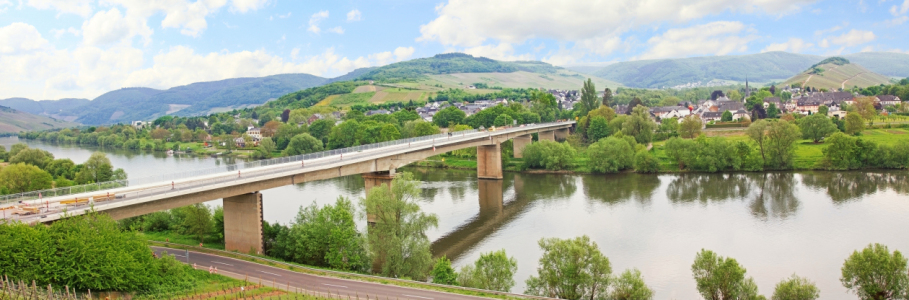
{"points": [[519, 143], [489, 161], [491, 197], [243, 223], [546, 135], [561, 134], [376, 179]]}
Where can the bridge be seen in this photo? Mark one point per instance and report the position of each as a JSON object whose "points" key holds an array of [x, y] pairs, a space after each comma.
{"points": [[239, 188]]}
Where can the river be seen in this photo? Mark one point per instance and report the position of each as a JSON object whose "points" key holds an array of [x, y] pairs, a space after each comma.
{"points": [[774, 224]]}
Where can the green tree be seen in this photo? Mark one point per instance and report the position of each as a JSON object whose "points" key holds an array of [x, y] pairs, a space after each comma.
{"points": [[840, 152], [640, 125], [644, 162], [3, 153], [773, 112], [325, 236], [96, 169], [610, 155], [607, 97], [876, 274], [321, 128], [398, 240], [503, 120], [588, 98], [630, 286], [548, 155], [570, 269], [448, 116], [198, 221], [302, 144], [345, 135], [63, 167], [20, 178], [598, 129], [854, 123], [217, 218], [822, 110], [32, 156], [757, 131], [492, 271], [796, 288], [16, 148], [690, 126], [780, 144], [816, 126], [443, 273], [268, 145], [726, 117], [420, 128], [390, 132], [720, 278]]}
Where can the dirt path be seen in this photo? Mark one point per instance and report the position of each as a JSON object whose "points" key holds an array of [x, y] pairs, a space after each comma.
{"points": [[843, 85]]}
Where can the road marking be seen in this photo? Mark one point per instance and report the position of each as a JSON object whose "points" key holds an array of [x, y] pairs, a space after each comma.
{"points": [[270, 273], [176, 255], [218, 262], [417, 297], [340, 286]]}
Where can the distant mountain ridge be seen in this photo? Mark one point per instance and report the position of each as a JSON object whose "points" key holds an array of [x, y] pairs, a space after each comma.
{"points": [[835, 73], [762, 67], [14, 121]]}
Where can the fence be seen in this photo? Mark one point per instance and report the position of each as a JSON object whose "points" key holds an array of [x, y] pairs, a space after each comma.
{"points": [[35, 195]]}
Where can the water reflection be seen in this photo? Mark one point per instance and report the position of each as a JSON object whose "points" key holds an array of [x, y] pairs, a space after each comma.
{"points": [[705, 188], [547, 186], [774, 195], [843, 187], [618, 188]]}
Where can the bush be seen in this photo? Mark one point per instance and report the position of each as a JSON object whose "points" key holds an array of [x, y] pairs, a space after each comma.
{"points": [[610, 155], [548, 155], [644, 162]]}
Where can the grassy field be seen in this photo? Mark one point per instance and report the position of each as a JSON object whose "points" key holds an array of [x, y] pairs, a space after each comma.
{"points": [[834, 76]]}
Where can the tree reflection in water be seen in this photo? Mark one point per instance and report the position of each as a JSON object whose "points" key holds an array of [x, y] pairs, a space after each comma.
{"points": [[773, 196], [548, 186], [843, 187], [706, 188], [617, 188]]}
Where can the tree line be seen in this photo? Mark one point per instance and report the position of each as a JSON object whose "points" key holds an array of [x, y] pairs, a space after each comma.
{"points": [[32, 169]]}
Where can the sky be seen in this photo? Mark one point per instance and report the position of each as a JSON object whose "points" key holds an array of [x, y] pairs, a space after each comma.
{"points": [[52, 49]]}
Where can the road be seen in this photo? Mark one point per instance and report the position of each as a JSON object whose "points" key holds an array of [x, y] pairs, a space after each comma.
{"points": [[240, 269]]}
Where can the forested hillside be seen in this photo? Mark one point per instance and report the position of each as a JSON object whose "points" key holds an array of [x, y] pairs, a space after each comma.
{"points": [[440, 64]]}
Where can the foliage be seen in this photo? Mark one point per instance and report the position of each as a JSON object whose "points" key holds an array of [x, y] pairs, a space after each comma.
{"points": [[398, 239], [448, 116], [720, 278], [325, 236], [645, 162], [492, 271], [817, 126], [630, 286], [640, 125], [86, 252], [439, 64], [854, 123], [96, 169], [707, 154], [548, 155], [443, 273], [690, 126], [198, 221], [20, 178], [32, 156], [302, 144], [503, 120], [610, 155], [588, 98], [796, 288], [780, 143], [726, 117], [876, 273], [570, 269], [598, 129]]}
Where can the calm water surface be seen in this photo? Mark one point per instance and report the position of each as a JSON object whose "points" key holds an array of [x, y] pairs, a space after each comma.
{"points": [[775, 224]]}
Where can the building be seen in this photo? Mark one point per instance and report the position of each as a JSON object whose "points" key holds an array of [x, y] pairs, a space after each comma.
{"points": [[886, 100], [254, 132], [140, 124]]}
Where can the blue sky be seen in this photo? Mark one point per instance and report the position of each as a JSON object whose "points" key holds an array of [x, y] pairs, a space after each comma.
{"points": [[52, 49]]}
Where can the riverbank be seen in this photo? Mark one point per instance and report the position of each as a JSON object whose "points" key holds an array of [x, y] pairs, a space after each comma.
{"points": [[807, 155]]}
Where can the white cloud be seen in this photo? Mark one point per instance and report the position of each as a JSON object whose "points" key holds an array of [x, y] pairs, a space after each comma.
{"points": [[354, 15], [716, 38], [896, 21], [471, 23], [795, 45], [824, 43], [901, 9], [4, 4], [502, 51], [79, 7], [242, 6], [831, 29], [60, 32], [19, 38], [852, 38], [337, 30], [107, 27], [403, 53], [315, 19]]}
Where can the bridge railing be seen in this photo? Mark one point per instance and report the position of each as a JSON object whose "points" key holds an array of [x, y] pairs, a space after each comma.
{"points": [[163, 178]]}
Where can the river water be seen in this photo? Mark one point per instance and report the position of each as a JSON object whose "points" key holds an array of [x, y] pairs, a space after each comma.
{"points": [[774, 224]]}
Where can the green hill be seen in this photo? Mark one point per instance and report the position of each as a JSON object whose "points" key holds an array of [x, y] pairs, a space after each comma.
{"points": [[763, 67], [439, 64], [836, 72], [13, 121], [884, 63]]}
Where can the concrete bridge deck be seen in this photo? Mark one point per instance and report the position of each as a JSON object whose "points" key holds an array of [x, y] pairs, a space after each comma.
{"points": [[238, 188]]}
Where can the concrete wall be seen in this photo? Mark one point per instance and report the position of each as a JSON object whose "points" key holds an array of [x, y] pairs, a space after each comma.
{"points": [[243, 223], [519, 143], [561, 134], [546, 135]]}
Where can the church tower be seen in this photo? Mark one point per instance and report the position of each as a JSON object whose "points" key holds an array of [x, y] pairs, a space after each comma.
{"points": [[747, 89]]}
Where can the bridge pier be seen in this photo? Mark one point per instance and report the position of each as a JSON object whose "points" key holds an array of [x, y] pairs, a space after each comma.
{"points": [[489, 161], [547, 135], [376, 179], [561, 134], [243, 223], [519, 143]]}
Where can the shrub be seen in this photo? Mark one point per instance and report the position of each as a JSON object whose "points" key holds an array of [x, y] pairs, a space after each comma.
{"points": [[610, 155], [644, 162], [548, 155]]}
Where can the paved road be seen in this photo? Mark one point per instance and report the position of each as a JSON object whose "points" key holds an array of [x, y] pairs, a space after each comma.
{"points": [[240, 269]]}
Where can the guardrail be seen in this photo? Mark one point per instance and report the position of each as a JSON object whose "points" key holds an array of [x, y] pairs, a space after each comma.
{"points": [[255, 259], [35, 195]]}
